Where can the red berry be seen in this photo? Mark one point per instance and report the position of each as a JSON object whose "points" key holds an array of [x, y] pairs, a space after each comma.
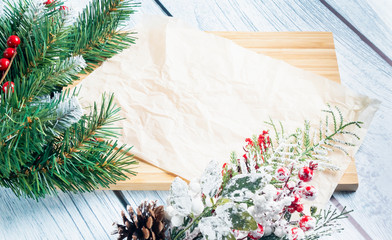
{"points": [[7, 85], [48, 2], [291, 208], [299, 207], [278, 192], [256, 234], [296, 234], [224, 168], [307, 223], [313, 165], [4, 63], [282, 174], [305, 174], [297, 197], [249, 142], [291, 185], [13, 41], [63, 8], [239, 234], [9, 53], [309, 193]]}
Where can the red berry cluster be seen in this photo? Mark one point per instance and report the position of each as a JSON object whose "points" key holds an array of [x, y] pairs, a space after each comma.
{"points": [[12, 42], [295, 204], [297, 190], [264, 141], [50, 2]]}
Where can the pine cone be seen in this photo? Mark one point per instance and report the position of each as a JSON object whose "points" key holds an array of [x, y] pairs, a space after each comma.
{"points": [[147, 223]]}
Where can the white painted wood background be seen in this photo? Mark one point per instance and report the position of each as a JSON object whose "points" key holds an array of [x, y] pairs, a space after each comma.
{"points": [[363, 36]]}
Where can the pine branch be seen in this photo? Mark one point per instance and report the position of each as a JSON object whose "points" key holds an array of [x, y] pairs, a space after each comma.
{"points": [[45, 143], [96, 33], [76, 160], [42, 31], [53, 77]]}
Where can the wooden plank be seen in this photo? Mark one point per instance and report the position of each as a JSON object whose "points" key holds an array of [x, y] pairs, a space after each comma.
{"points": [[28, 219], [288, 46], [376, 26], [312, 51], [360, 68], [66, 216], [136, 197]]}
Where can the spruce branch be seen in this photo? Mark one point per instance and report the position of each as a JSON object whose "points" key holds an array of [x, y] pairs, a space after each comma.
{"points": [[50, 78], [96, 32], [45, 142], [76, 160]]}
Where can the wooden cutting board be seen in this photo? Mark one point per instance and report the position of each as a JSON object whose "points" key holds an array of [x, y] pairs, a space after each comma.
{"points": [[312, 51]]}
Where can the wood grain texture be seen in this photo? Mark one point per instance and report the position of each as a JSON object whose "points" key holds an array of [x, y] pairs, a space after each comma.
{"points": [[371, 18], [313, 51], [66, 216], [361, 69]]}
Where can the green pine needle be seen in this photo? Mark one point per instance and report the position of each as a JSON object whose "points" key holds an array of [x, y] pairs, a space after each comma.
{"points": [[45, 143]]}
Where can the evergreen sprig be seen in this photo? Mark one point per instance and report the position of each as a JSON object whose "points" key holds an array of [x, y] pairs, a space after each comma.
{"points": [[307, 145], [327, 222], [99, 36], [46, 143], [74, 160]]}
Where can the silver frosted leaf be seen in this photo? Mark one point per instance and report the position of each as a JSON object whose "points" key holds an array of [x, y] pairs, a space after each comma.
{"points": [[211, 180], [214, 228], [236, 217], [179, 197], [241, 188]]}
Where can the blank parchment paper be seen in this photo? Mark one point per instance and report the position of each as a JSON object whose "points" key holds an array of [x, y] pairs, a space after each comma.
{"points": [[189, 97]]}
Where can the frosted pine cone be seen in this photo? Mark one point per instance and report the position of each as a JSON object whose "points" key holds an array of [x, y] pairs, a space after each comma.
{"points": [[146, 223]]}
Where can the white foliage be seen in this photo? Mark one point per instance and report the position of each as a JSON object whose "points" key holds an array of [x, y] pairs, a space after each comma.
{"points": [[79, 62], [69, 111], [179, 198], [223, 212], [211, 179], [214, 228], [35, 10]]}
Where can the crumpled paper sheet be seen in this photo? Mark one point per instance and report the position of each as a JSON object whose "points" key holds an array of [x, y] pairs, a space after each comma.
{"points": [[189, 97]]}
